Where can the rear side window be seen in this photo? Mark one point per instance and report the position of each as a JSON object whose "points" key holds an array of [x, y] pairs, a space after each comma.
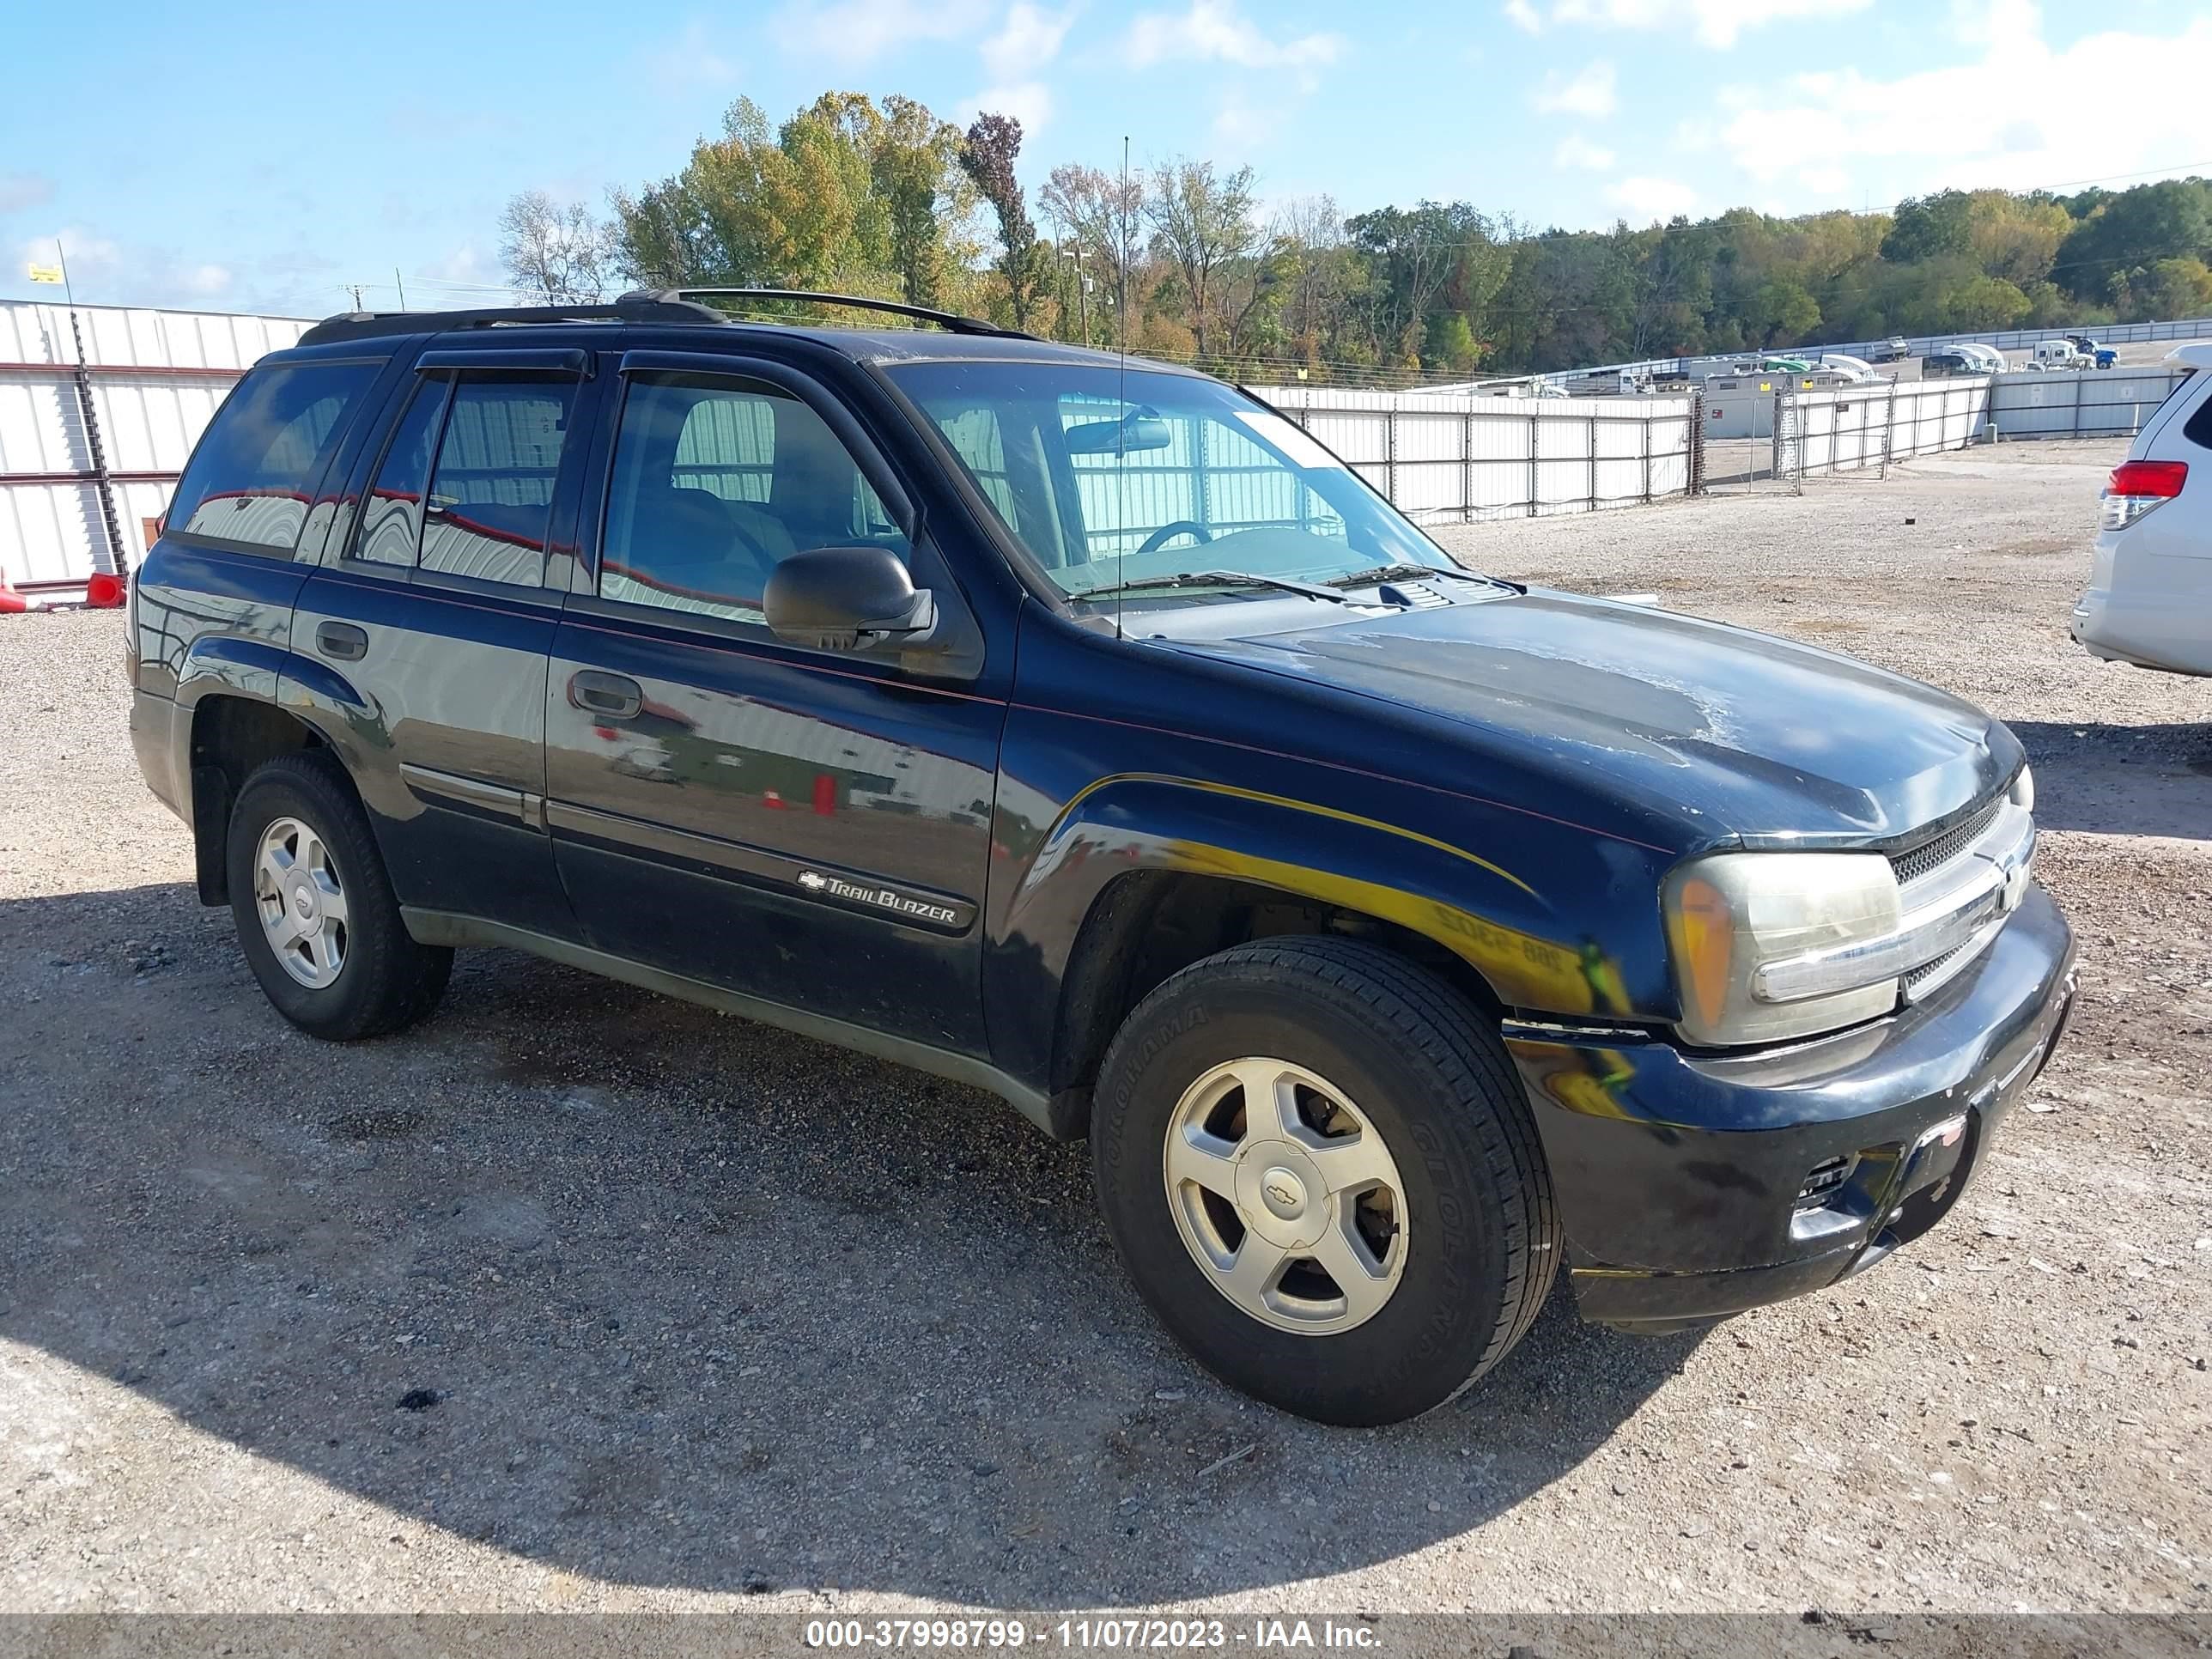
{"points": [[2199, 430], [392, 524], [490, 501], [466, 484], [250, 481]]}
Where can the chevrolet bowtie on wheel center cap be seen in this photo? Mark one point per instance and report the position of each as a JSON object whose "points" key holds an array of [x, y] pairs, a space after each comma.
{"points": [[1286, 1196], [302, 902]]}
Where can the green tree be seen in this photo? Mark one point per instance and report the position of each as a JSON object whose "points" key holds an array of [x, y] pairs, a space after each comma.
{"points": [[2132, 231], [1201, 221], [1929, 227]]}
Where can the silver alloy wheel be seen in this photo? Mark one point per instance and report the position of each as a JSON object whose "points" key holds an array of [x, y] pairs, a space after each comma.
{"points": [[1286, 1197], [301, 902]]}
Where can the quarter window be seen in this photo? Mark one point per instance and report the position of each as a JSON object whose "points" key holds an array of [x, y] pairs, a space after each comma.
{"points": [[254, 473], [715, 482]]}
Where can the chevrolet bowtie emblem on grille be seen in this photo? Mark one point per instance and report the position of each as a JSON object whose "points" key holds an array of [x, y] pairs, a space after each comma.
{"points": [[808, 880]]}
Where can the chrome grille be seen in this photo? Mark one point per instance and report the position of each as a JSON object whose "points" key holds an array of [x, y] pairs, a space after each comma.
{"points": [[1928, 970], [1934, 854]]}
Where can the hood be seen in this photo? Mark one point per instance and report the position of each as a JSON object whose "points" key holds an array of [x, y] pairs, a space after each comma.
{"points": [[1741, 733]]}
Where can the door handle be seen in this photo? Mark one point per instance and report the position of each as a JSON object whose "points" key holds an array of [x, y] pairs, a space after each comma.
{"points": [[610, 696], [343, 641]]}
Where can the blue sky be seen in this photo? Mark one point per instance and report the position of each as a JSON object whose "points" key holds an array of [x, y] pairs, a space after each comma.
{"points": [[266, 157]]}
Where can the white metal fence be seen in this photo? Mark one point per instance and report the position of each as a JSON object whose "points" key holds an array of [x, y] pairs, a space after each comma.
{"points": [[1470, 458], [1842, 428]]}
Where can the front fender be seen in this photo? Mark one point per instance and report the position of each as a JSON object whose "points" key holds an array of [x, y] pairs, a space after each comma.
{"points": [[1520, 913]]}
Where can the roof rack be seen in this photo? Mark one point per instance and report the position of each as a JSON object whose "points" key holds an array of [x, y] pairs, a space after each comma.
{"points": [[629, 308], [950, 321]]}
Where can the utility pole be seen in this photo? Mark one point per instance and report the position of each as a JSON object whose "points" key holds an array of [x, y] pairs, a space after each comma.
{"points": [[355, 288]]}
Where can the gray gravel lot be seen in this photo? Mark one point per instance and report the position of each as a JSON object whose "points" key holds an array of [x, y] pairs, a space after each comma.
{"points": [[693, 1313]]}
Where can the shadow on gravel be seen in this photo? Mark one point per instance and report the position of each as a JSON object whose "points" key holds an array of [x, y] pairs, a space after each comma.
{"points": [[656, 1297], [2122, 780]]}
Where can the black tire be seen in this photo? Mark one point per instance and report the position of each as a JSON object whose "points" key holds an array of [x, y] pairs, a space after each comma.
{"points": [[1429, 1071], [387, 981]]}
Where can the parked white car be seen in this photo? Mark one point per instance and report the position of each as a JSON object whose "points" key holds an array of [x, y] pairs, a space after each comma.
{"points": [[2149, 600]]}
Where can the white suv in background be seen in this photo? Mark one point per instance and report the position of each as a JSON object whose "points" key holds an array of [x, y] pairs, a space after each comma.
{"points": [[2149, 600]]}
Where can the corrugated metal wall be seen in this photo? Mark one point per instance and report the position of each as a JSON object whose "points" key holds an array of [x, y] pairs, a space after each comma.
{"points": [[157, 378]]}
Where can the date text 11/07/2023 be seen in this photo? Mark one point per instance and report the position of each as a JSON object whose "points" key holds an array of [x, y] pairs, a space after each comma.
{"points": [[1259, 1635]]}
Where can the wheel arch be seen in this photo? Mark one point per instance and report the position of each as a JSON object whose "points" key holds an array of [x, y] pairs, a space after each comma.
{"points": [[232, 735], [1162, 873]]}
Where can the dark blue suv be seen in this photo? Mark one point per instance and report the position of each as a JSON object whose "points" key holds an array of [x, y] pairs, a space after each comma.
{"points": [[1085, 730]]}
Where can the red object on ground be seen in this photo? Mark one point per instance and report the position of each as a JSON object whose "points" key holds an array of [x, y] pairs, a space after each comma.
{"points": [[105, 591], [770, 798], [11, 601], [825, 795]]}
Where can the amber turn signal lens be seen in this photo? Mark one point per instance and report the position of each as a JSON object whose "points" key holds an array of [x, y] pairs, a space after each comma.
{"points": [[1705, 935]]}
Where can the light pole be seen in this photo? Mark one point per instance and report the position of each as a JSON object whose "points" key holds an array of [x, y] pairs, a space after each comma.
{"points": [[1082, 287]]}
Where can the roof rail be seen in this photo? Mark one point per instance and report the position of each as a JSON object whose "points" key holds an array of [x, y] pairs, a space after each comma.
{"points": [[629, 308], [950, 321]]}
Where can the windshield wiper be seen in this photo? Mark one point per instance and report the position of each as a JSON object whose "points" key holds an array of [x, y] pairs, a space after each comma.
{"points": [[1214, 578], [1407, 573]]}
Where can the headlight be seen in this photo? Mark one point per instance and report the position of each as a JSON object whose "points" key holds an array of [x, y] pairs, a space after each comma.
{"points": [[1736, 914], [2023, 790]]}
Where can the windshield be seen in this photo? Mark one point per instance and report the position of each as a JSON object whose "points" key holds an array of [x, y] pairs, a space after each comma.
{"points": [[1108, 478]]}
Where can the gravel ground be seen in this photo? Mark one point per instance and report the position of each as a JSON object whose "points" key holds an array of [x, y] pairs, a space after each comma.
{"points": [[580, 1298]]}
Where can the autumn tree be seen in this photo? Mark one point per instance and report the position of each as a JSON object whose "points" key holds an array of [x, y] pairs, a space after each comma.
{"points": [[994, 143]]}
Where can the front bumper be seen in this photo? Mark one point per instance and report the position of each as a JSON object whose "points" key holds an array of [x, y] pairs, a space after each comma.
{"points": [[1691, 1187]]}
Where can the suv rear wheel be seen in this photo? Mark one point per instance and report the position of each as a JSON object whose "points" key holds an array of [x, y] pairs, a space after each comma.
{"points": [[315, 912], [1315, 1162]]}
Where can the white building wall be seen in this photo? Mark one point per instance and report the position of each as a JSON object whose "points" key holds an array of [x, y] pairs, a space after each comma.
{"points": [[157, 379]]}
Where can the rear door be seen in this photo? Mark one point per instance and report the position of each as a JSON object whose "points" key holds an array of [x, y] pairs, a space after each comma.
{"points": [[430, 628], [810, 828]]}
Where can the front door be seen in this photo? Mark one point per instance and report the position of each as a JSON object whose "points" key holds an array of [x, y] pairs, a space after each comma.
{"points": [[809, 829]]}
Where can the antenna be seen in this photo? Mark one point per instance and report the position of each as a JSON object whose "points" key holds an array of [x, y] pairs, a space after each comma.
{"points": [[1121, 393]]}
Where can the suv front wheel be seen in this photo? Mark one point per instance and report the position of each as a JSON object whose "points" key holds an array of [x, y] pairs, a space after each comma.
{"points": [[314, 908], [1315, 1162]]}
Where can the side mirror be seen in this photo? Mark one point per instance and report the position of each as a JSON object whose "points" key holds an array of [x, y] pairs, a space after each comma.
{"points": [[846, 598]]}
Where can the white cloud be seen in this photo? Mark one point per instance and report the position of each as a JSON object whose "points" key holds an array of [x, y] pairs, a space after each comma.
{"points": [[1592, 92], [690, 60], [1028, 40], [1645, 199], [1241, 126], [19, 190], [1013, 58], [1029, 102], [206, 281], [1580, 152], [1521, 14], [857, 31], [1215, 31], [1930, 129], [1715, 22]]}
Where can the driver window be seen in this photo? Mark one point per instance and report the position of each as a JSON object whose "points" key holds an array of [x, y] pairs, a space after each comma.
{"points": [[1140, 474], [714, 482]]}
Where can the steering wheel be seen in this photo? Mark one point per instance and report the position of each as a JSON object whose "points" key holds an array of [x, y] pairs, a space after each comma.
{"points": [[1167, 532]]}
